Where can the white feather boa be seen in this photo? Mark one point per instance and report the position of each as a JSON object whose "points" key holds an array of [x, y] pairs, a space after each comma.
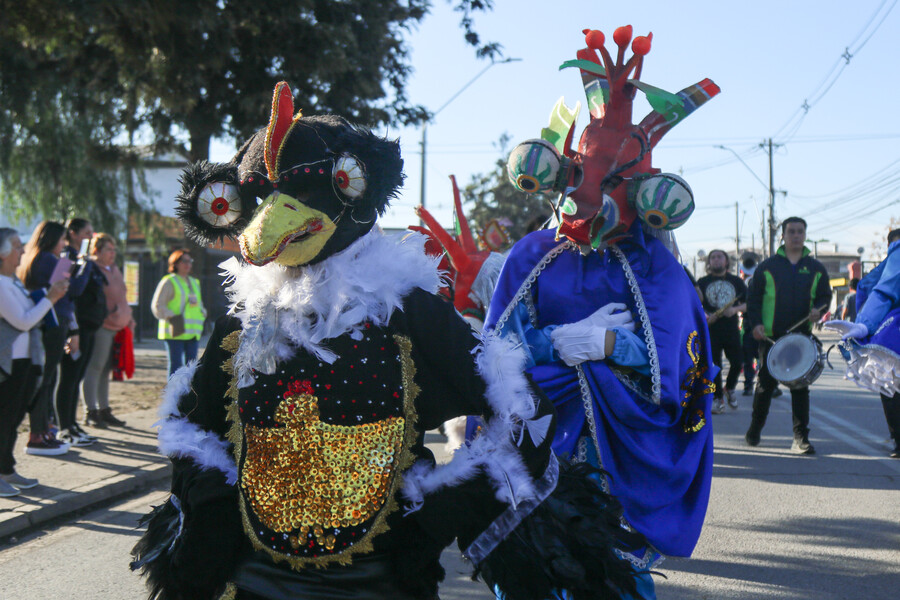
{"points": [[179, 438], [282, 308]]}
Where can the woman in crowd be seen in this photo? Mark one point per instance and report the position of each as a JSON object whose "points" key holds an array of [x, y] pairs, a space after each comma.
{"points": [[96, 378], [89, 310], [21, 354], [36, 269], [179, 307]]}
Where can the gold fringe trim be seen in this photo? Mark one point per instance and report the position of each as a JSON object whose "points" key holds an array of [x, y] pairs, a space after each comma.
{"points": [[405, 460]]}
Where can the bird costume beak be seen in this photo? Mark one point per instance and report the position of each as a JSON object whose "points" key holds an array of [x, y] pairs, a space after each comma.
{"points": [[285, 230]]}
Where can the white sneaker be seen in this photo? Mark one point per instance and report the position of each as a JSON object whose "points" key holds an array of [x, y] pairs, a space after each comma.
{"points": [[74, 438], [732, 399], [17, 481], [718, 406]]}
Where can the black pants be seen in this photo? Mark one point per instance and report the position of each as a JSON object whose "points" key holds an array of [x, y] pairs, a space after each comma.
{"points": [[729, 341], [762, 399], [42, 405], [18, 389], [891, 405], [71, 372], [751, 349]]}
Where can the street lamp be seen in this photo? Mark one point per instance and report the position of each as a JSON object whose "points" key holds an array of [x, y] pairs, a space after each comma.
{"points": [[443, 106], [815, 244]]}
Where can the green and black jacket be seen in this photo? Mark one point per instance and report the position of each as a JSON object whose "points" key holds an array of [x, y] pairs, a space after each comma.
{"points": [[781, 294]]}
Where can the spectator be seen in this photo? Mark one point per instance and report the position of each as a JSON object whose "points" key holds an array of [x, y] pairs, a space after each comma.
{"points": [[179, 307], [787, 287], [41, 255], [21, 355], [97, 375], [89, 312], [724, 295], [848, 308]]}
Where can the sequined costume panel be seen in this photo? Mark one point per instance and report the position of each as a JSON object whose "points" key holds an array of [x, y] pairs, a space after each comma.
{"points": [[319, 447]]}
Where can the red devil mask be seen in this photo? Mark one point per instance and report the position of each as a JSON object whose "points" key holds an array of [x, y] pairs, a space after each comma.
{"points": [[598, 183]]}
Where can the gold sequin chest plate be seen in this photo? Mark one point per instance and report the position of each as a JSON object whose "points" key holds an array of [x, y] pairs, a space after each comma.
{"points": [[320, 448]]}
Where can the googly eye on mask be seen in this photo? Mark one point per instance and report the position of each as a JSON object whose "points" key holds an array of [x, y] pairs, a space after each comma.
{"points": [[349, 176], [662, 201]]}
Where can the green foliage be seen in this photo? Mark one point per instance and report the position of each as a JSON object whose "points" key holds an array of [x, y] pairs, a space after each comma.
{"points": [[83, 84], [492, 196]]}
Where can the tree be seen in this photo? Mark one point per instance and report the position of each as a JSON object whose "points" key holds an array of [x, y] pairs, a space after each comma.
{"points": [[168, 75], [492, 196]]}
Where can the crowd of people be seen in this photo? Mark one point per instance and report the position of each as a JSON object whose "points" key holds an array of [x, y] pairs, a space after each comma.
{"points": [[65, 324]]}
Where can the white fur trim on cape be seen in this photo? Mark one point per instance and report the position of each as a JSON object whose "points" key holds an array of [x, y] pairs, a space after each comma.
{"points": [[179, 438], [501, 362], [282, 308]]}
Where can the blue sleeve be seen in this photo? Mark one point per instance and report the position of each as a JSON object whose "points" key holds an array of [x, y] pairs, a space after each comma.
{"points": [[629, 350], [44, 263], [79, 281], [884, 296]]}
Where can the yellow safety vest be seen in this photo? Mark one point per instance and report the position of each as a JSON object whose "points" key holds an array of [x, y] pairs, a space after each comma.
{"points": [[193, 313]]}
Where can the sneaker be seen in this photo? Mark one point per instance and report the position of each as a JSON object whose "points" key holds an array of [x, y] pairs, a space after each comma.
{"points": [[777, 393], [46, 446], [7, 491], [718, 406], [73, 438], [17, 481], [802, 446], [77, 428], [895, 453], [109, 419], [732, 399], [748, 391]]}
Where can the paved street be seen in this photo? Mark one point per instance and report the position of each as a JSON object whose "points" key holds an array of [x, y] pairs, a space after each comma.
{"points": [[779, 526]]}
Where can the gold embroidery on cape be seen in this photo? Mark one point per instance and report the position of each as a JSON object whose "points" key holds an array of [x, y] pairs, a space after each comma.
{"points": [[315, 501], [694, 378]]}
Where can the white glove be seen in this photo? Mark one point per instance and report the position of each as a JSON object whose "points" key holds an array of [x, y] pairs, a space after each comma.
{"points": [[857, 330], [847, 329], [579, 341], [613, 315]]}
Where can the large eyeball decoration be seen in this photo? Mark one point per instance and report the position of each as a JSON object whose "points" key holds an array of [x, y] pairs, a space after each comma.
{"points": [[349, 176], [533, 166], [663, 201], [219, 204]]}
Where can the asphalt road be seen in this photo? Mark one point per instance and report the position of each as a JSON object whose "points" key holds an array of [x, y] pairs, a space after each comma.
{"points": [[779, 526]]}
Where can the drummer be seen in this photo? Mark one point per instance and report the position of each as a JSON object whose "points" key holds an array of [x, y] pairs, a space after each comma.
{"points": [[788, 288]]}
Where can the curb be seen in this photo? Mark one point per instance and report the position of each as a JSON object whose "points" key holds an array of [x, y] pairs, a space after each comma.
{"points": [[84, 497]]}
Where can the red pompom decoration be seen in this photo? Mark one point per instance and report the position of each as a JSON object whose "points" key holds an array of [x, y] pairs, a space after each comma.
{"points": [[641, 45], [622, 35], [594, 38]]}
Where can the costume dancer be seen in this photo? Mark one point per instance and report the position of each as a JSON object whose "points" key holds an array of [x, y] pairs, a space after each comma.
{"points": [[614, 330], [300, 469], [871, 345]]}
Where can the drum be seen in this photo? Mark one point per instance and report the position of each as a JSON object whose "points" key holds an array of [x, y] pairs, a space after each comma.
{"points": [[796, 360]]}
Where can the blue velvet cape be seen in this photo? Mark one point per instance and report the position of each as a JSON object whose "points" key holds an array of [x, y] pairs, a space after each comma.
{"points": [[659, 455]]}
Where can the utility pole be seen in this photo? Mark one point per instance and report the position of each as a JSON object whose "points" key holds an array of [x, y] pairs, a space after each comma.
{"points": [[737, 241], [422, 188], [762, 228], [771, 202]]}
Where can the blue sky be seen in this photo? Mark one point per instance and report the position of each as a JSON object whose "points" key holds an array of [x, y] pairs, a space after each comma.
{"points": [[839, 167]]}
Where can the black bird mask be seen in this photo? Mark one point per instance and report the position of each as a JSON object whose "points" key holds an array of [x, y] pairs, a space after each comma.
{"points": [[297, 191]]}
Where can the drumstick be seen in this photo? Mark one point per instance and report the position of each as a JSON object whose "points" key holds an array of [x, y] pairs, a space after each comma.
{"points": [[805, 319]]}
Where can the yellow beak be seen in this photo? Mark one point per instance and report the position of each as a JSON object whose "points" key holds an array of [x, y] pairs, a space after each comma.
{"points": [[285, 230]]}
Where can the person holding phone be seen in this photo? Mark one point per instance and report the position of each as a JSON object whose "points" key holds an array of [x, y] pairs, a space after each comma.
{"points": [[178, 305], [89, 310], [21, 354], [36, 271]]}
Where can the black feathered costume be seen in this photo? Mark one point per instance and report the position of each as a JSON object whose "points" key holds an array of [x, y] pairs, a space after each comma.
{"points": [[300, 469]]}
